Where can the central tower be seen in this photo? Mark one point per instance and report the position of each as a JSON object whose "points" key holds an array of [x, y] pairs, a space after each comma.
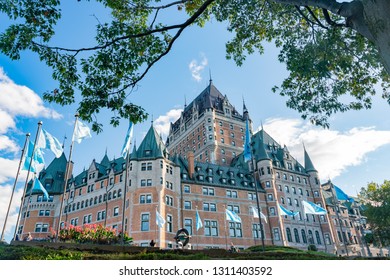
{"points": [[210, 127]]}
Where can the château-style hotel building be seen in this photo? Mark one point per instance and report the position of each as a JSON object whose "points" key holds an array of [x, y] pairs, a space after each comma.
{"points": [[200, 168]]}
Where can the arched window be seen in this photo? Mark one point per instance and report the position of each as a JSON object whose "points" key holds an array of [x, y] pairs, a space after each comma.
{"points": [[109, 196], [304, 239], [289, 237], [310, 236], [296, 235], [100, 198], [318, 237], [95, 200], [119, 192]]}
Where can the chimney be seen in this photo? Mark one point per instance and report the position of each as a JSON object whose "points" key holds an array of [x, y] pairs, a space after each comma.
{"points": [[191, 164]]}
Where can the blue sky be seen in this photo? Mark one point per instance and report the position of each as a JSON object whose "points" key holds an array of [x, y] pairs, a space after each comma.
{"points": [[352, 152]]}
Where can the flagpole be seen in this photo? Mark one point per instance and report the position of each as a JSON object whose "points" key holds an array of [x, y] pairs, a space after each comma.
{"points": [[29, 198], [14, 186], [66, 180], [25, 184], [124, 197], [255, 181], [196, 226], [258, 209], [337, 202]]}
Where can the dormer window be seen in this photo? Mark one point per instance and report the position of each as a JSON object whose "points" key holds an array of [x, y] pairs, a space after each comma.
{"points": [[201, 177], [148, 152]]}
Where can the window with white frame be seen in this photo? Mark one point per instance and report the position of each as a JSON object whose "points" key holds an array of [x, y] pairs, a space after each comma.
{"points": [[235, 229], [210, 228], [145, 222]]}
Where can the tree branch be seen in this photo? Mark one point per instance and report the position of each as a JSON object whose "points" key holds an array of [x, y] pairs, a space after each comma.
{"points": [[181, 26]]}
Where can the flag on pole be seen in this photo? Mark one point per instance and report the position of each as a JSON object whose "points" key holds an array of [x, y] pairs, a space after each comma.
{"points": [[38, 187], [160, 221], [256, 214], [37, 161], [47, 141], [232, 216], [247, 145], [342, 195], [126, 145], [199, 223], [81, 131], [312, 208], [285, 212]]}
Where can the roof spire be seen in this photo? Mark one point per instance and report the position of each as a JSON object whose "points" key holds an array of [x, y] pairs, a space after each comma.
{"points": [[308, 163], [185, 101], [211, 80]]}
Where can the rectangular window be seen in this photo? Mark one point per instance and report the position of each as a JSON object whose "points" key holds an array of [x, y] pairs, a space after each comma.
{"points": [[276, 234], [149, 166], [169, 223], [169, 200], [143, 166], [143, 183], [208, 191], [187, 205], [210, 228], [116, 211], [188, 225], [235, 229], [187, 189], [256, 230], [149, 182], [145, 222]]}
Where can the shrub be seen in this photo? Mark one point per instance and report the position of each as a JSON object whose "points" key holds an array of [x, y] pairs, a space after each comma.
{"points": [[92, 233], [312, 247]]}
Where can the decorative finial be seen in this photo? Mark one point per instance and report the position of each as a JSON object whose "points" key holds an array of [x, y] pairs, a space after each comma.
{"points": [[211, 80]]}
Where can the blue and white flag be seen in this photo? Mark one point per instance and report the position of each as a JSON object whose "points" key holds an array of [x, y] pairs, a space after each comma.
{"points": [[312, 208], [81, 132], [199, 223], [284, 212], [47, 141], [342, 195], [247, 145], [126, 145], [256, 214], [160, 221], [232, 216], [38, 187], [33, 160]]}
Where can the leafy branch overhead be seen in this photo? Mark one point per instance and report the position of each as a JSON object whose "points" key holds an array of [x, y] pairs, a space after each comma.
{"points": [[336, 53]]}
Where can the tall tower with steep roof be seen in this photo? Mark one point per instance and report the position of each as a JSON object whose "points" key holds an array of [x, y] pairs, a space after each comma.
{"points": [[210, 127]]}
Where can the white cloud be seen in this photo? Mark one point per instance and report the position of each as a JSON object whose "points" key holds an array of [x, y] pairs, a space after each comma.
{"points": [[8, 145], [20, 100], [162, 123], [331, 151], [16, 101], [196, 68], [6, 122], [5, 196]]}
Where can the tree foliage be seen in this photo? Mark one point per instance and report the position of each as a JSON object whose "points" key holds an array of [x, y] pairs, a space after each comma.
{"points": [[333, 58], [376, 200]]}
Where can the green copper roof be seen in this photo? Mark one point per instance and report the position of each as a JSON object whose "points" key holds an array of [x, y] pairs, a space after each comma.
{"points": [[52, 178], [259, 149], [152, 146], [308, 163]]}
